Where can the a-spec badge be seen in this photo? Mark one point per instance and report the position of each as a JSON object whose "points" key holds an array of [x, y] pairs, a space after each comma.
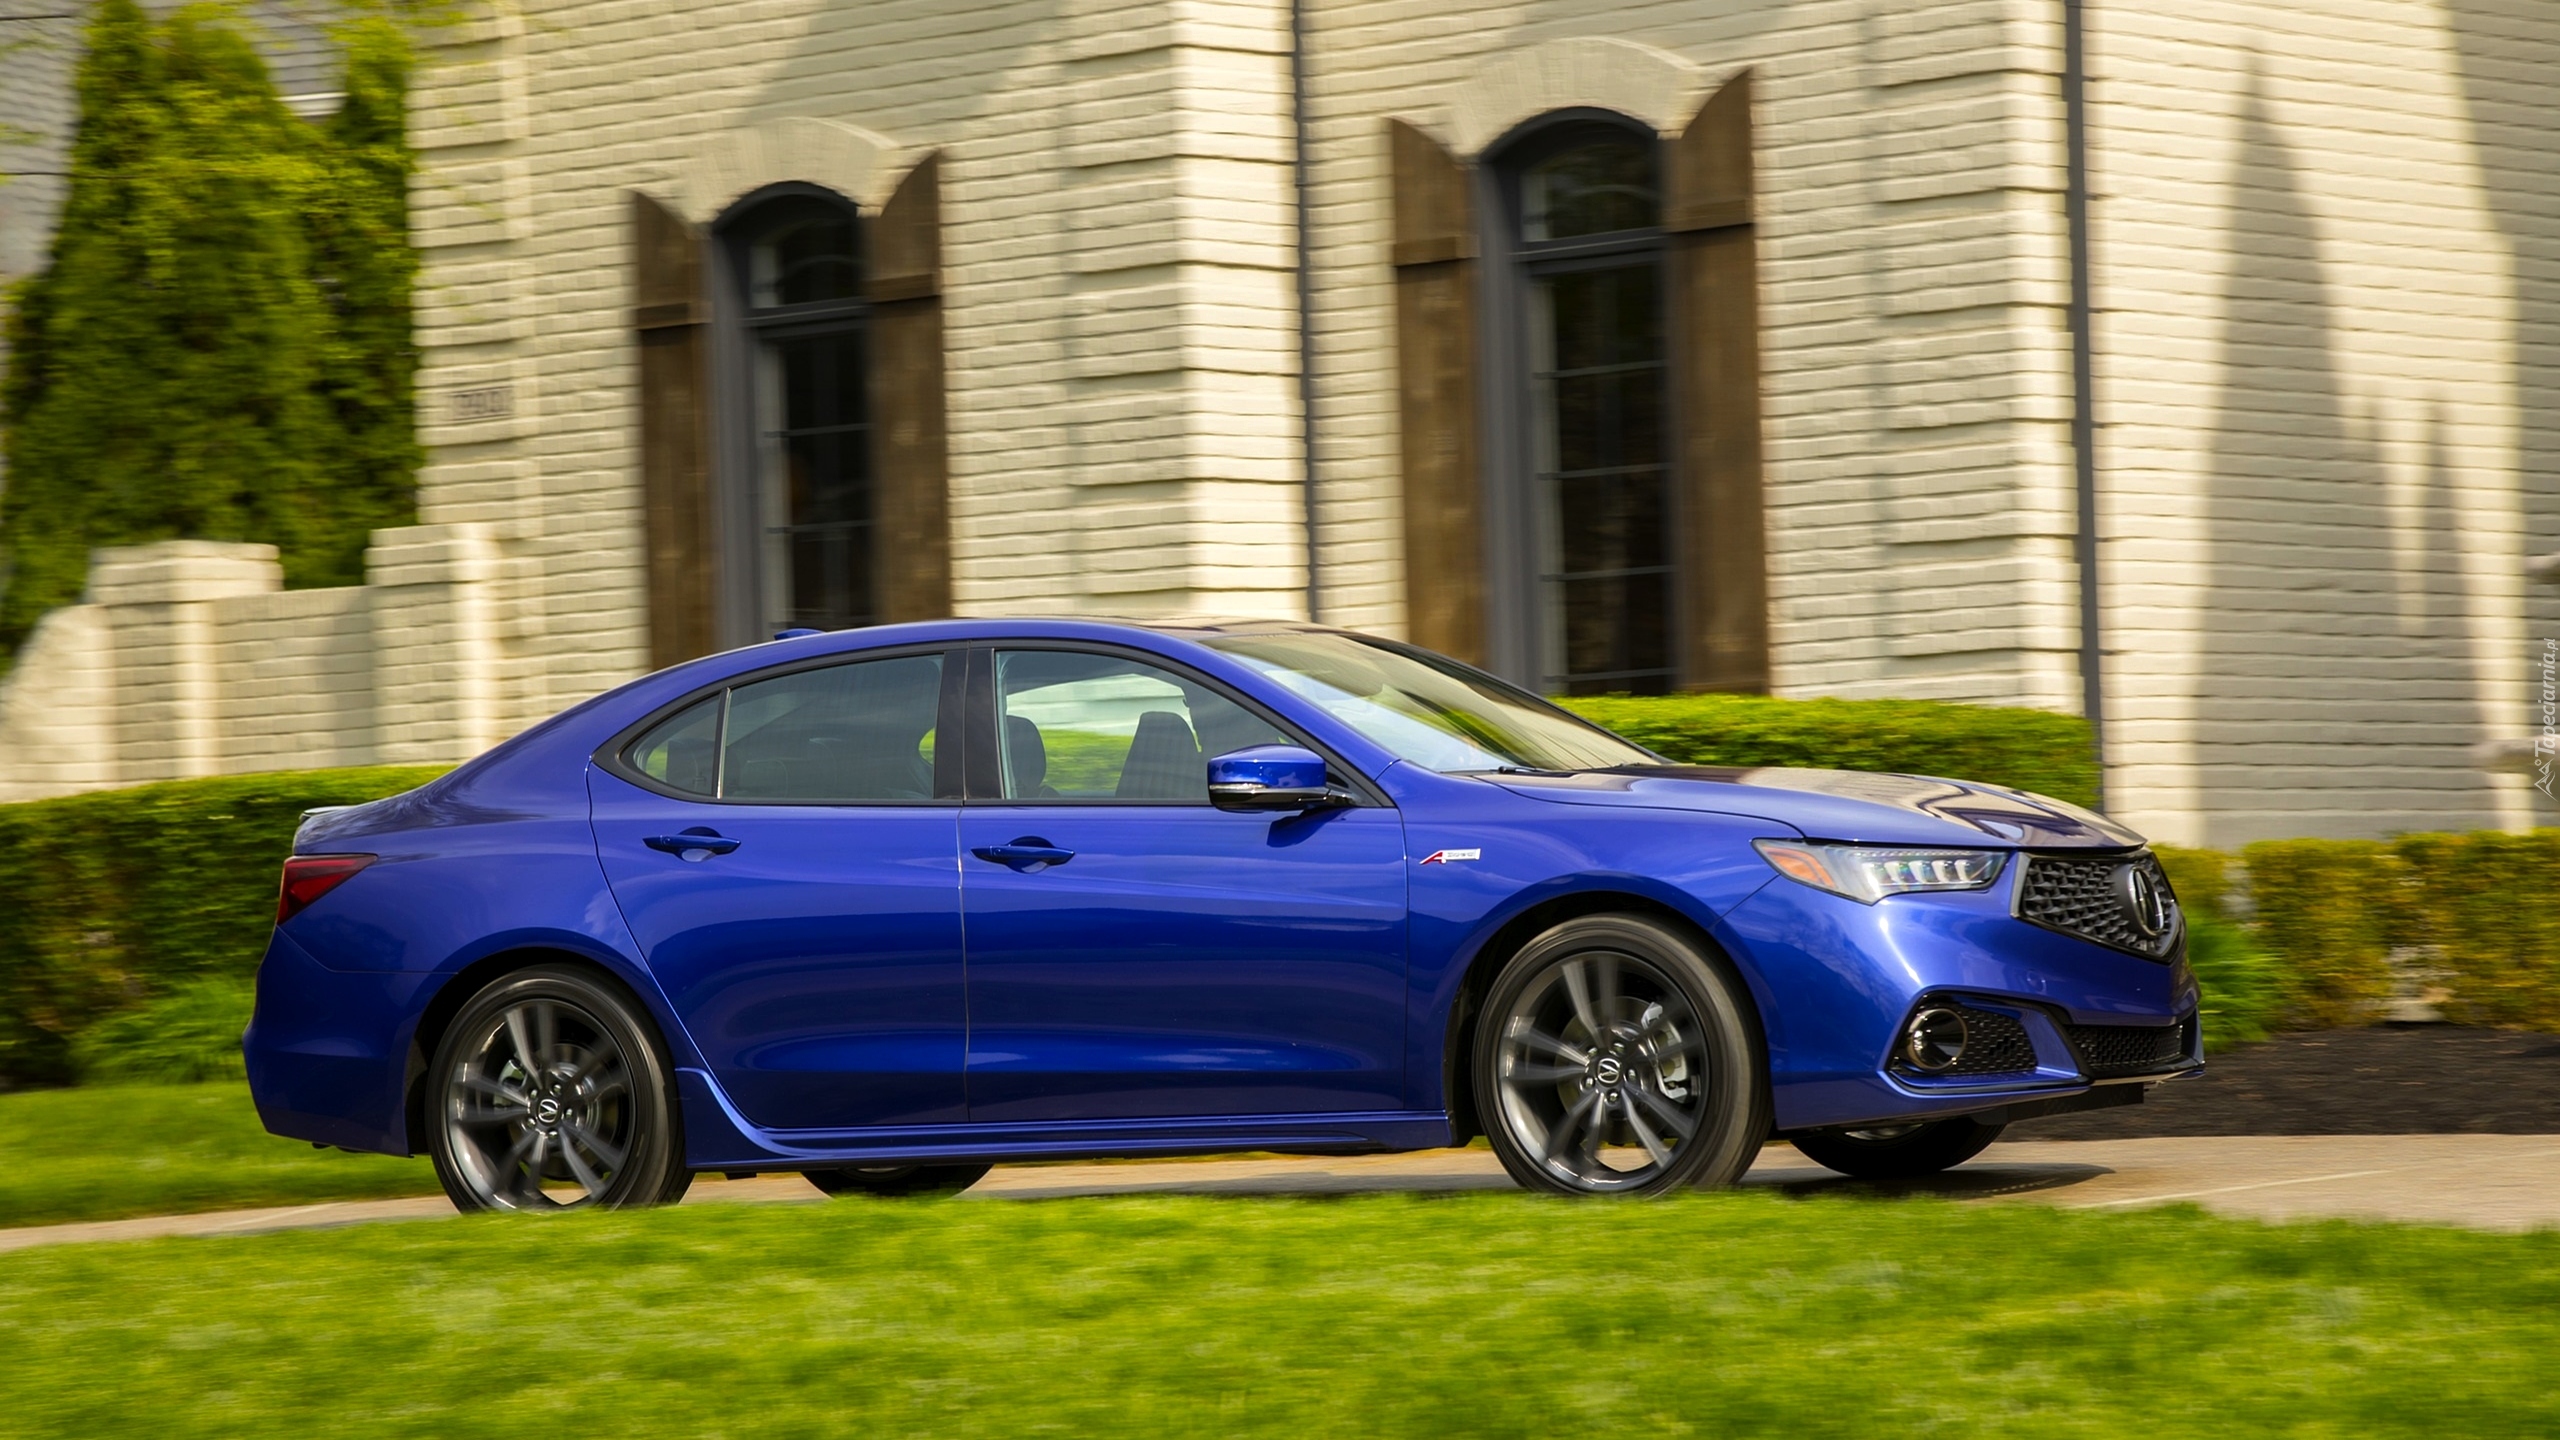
{"points": [[1445, 857]]}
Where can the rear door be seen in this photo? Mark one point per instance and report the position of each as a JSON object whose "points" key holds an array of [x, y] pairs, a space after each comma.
{"points": [[1135, 952], [785, 852]]}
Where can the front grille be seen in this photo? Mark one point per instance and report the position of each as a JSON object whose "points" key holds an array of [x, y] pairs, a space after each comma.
{"points": [[1994, 1044], [2077, 896], [2109, 1051]]}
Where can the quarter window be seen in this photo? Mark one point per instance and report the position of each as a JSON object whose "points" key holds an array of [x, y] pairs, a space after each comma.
{"points": [[1078, 726], [683, 752]]}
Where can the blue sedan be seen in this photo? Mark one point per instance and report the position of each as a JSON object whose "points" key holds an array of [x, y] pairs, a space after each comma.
{"points": [[887, 906]]}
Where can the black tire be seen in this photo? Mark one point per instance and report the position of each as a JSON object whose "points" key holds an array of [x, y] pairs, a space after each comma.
{"points": [[890, 1180], [551, 1091], [1678, 1046], [1898, 1152]]}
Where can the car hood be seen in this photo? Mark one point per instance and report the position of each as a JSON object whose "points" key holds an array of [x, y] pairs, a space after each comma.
{"points": [[1843, 804]]}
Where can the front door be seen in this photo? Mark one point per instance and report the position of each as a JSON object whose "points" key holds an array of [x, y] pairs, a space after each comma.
{"points": [[1135, 952], [810, 940]]}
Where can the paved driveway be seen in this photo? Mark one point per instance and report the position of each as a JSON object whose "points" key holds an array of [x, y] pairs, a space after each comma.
{"points": [[2490, 1182]]}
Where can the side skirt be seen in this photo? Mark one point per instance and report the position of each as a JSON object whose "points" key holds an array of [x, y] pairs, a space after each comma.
{"points": [[717, 1137]]}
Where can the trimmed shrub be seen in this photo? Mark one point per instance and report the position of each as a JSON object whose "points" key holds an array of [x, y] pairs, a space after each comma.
{"points": [[2487, 906], [2326, 912], [120, 897], [2024, 749]]}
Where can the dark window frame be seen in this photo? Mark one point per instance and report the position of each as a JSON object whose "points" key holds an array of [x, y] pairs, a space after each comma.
{"points": [[746, 449], [1519, 520]]}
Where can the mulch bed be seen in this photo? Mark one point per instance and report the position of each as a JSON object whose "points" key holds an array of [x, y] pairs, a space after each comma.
{"points": [[2390, 1080]]}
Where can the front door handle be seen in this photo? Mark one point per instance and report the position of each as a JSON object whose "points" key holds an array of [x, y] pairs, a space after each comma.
{"points": [[697, 844], [1029, 855]]}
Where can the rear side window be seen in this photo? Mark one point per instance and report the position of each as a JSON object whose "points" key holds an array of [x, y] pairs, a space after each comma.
{"points": [[856, 732], [848, 732], [683, 751]]}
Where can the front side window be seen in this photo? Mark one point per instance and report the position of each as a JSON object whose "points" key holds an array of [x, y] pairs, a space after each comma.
{"points": [[799, 268], [1587, 247], [1072, 725], [1428, 709]]}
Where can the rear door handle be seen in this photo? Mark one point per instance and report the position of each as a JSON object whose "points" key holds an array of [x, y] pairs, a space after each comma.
{"points": [[699, 843], [1030, 854]]}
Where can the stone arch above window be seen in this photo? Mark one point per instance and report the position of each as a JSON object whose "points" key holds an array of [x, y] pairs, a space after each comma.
{"points": [[1516, 87], [856, 163]]}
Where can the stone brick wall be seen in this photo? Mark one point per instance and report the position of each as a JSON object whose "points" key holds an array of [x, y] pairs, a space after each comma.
{"points": [[2327, 245], [186, 660]]}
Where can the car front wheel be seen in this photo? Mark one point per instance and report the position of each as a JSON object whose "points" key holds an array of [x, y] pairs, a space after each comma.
{"points": [[1898, 1152], [1616, 1058], [550, 1093]]}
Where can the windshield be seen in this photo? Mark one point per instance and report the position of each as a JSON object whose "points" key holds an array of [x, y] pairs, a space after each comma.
{"points": [[1432, 711]]}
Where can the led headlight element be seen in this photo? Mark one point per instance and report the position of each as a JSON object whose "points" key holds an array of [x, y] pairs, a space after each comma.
{"points": [[1868, 873]]}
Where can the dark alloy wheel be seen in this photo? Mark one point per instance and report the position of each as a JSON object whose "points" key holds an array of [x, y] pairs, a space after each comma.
{"points": [[551, 1093], [1614, 1058], [897, 1179], [1898, 1152]]}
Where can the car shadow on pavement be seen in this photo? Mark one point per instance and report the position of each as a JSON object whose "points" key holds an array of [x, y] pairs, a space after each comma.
{"points": [[1969, 1182]]}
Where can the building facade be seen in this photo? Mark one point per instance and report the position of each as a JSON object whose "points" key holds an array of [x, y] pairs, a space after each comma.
{"points": [[1645, 345]]}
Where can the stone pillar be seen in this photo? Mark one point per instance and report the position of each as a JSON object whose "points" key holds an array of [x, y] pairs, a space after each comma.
{"points": [[157, 602], [435, 642]]}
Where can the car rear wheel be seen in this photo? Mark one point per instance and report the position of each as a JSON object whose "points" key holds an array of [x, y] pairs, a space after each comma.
{"points": [[551, 1093], [1615, 1058], [1898, 1152], [897, 1179]]}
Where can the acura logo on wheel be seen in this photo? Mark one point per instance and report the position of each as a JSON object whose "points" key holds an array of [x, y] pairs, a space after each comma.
{"points": [[2146, 901]]}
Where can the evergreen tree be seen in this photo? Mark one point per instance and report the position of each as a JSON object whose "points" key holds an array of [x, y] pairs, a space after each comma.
{"points": [[368, 271], [220, 346]]}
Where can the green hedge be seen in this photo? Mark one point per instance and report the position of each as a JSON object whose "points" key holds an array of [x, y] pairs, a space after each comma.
{"points": [[122, 898], [2025, 749], [2478, 913]]}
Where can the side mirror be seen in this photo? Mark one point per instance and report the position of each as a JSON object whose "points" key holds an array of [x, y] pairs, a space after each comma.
{"points": [[1270, 777]]}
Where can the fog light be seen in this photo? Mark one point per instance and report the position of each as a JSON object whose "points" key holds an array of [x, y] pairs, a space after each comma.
{"points": [[1934, 1040]]}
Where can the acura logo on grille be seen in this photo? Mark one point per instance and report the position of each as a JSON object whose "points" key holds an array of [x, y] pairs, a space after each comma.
{"points": [[2146, 901]]}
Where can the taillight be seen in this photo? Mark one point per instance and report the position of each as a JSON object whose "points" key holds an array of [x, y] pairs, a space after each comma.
{"points": [[308, 877]]}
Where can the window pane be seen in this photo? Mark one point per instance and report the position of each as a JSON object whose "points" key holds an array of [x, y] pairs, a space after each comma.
{"points": [[820, 519], [682, 751], [1592, 189], [848, 732], [1078, 726], [803, 252], [1600, 442]]}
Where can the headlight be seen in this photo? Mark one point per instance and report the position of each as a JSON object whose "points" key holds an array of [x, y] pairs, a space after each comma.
{"points": [[1868, 873]]}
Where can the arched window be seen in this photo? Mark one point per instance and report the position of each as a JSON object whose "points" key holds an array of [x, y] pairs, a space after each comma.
{"points": [[796, 259], [1594, 525]]}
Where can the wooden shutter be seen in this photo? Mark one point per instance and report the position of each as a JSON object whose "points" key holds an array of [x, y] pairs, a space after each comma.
{"points": [[1715, 326], [670, 317], [910, 449], [1435, 265]]}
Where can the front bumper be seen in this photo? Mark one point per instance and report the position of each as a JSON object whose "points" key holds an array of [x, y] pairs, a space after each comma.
{"points": [[1836, 980]]}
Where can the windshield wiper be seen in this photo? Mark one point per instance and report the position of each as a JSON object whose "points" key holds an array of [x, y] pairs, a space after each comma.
{"points": [[1525, 770]]}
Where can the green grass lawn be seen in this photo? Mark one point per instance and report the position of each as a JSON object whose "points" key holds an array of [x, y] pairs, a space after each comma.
{"points": [[105, 1152], [1715, 1315]]}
